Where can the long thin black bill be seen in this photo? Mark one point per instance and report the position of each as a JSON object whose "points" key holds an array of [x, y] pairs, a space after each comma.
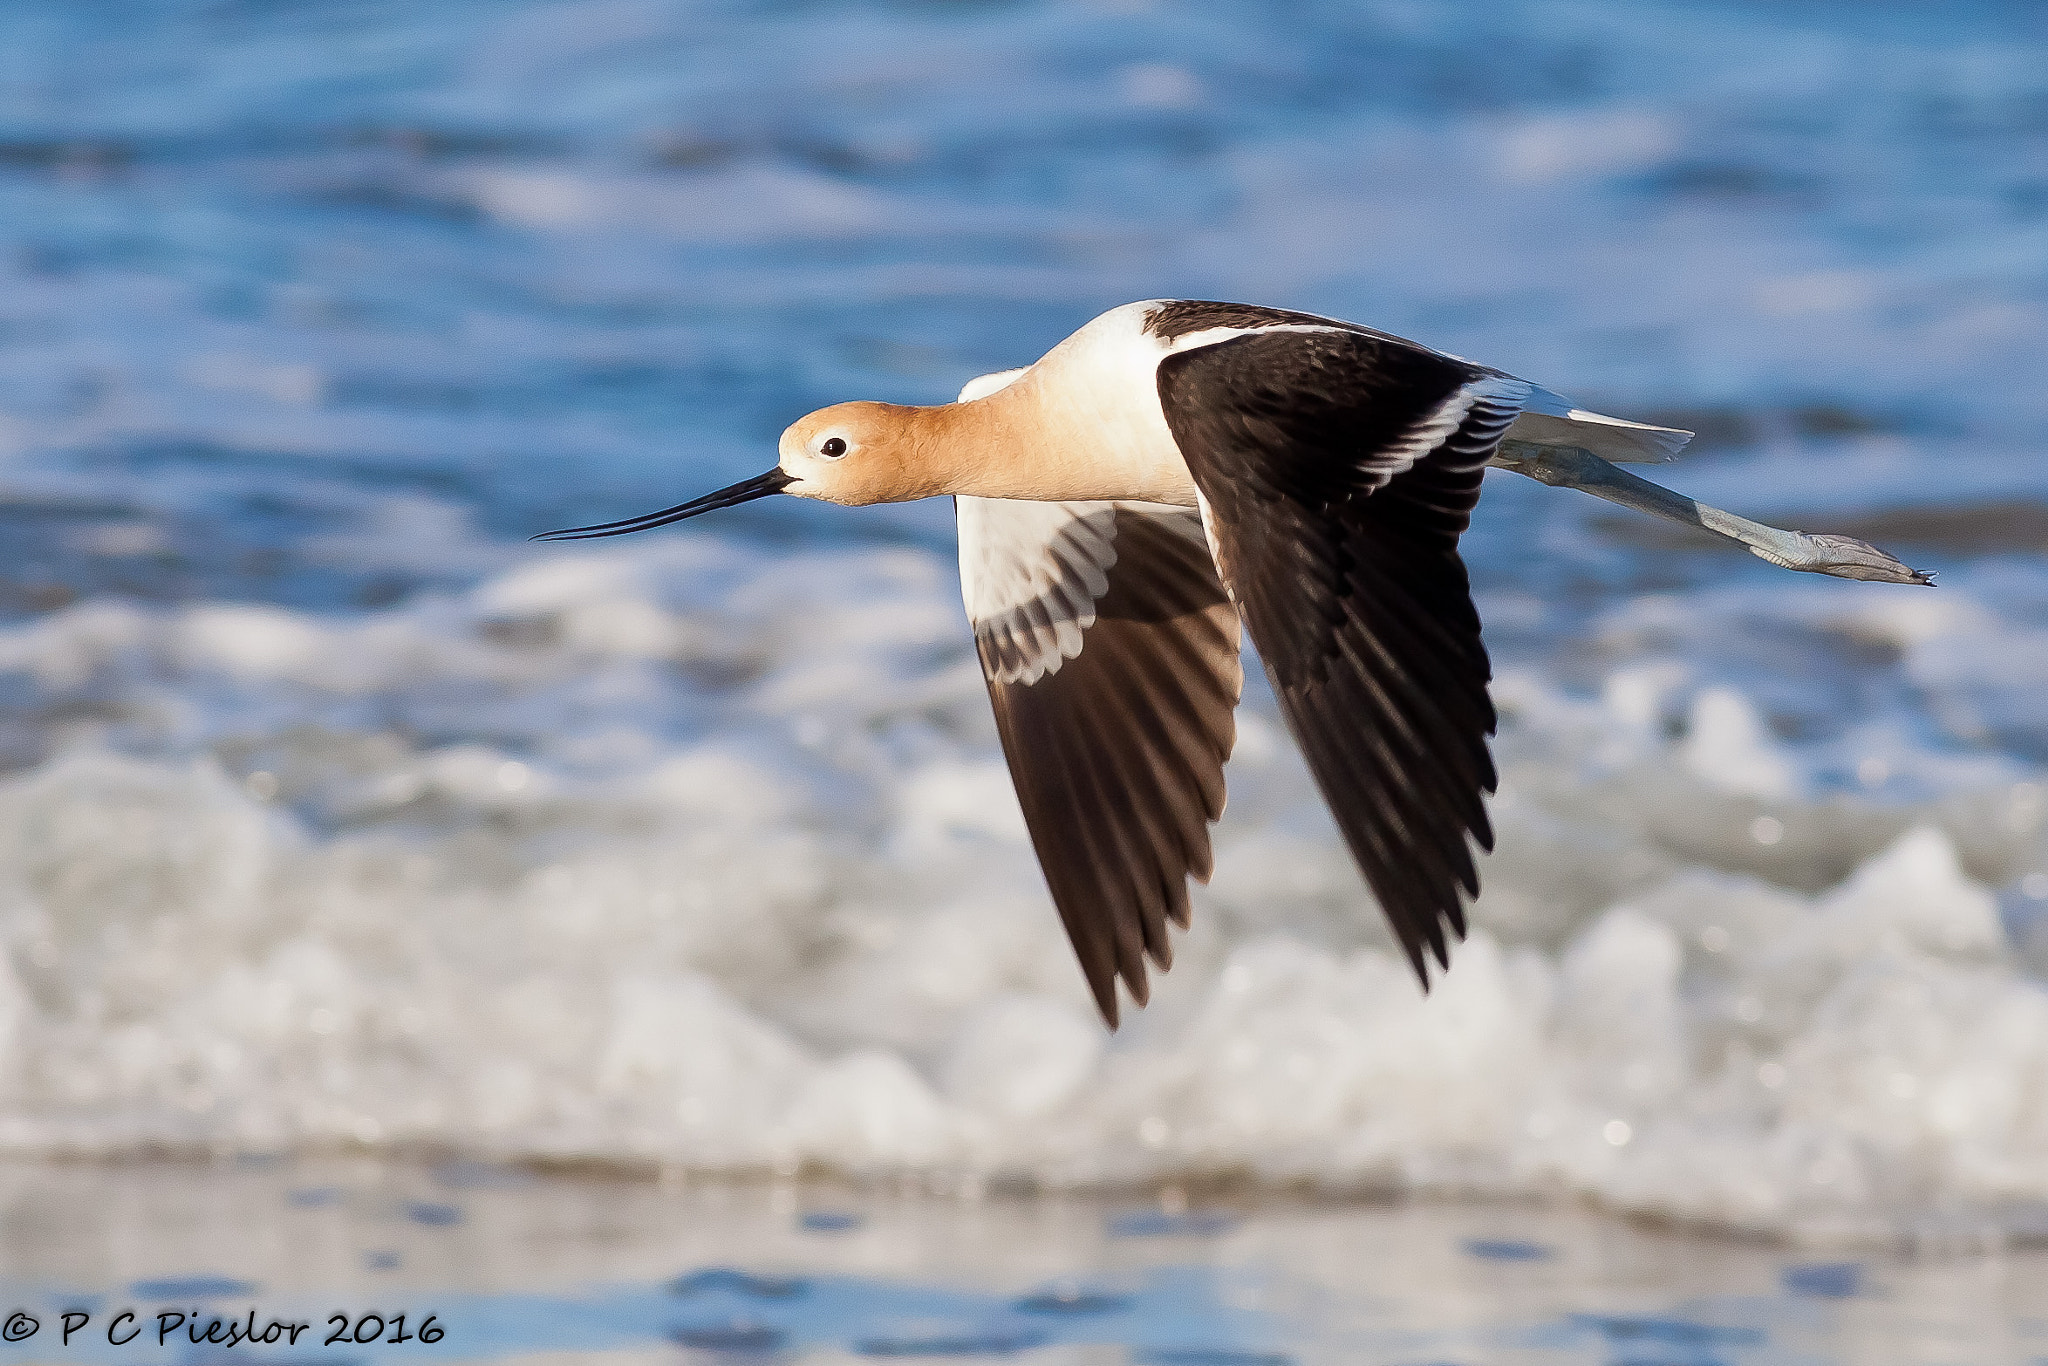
{"points": [[746, 491]]}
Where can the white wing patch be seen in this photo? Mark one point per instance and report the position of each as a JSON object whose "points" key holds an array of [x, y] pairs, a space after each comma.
{"points": [[1213, 336], [1031, 574], [1468, 423]]}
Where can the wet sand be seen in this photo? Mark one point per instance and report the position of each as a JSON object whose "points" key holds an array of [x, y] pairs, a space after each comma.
{"points": [[543, 1267]]}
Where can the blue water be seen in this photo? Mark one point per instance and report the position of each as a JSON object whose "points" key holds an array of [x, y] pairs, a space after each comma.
{"points": [[339, 814], [596, 1268], [1178, 1313], [268, 266]]}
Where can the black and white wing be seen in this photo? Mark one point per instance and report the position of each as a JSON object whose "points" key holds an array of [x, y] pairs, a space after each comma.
{"points": [[1337, 468], [1110, 650]]}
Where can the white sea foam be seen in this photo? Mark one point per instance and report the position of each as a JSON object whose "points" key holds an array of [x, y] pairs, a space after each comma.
{"points": [[742, 888]]}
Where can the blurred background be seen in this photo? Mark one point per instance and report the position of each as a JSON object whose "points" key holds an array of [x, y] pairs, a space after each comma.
{"points": [[336, 817]]}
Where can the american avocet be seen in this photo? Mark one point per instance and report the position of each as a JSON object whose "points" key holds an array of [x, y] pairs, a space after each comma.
{"points": [[1176, 467]]}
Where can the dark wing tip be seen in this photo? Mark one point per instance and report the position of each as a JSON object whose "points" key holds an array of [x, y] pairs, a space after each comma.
{"points": [[1104, 992]]}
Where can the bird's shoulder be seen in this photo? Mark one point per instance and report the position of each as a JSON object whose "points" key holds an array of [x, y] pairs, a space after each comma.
{"points": [[1175, 320], [1179, 325]]}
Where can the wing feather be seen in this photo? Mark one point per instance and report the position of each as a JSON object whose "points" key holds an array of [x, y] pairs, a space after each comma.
{"points": [[1338, 469], [1110, 651]]}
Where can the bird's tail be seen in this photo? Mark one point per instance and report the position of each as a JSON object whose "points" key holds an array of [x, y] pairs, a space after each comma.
{"points": [[1550, 420]]}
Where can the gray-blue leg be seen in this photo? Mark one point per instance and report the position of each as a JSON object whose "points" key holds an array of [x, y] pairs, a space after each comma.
{"points": [[1573, 468]]}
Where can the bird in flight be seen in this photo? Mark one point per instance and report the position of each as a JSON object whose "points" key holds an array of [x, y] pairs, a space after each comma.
{"points": [[1179, 470]]}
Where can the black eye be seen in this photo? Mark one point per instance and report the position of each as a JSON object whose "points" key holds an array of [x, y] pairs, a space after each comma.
{"points": [[833, 448]]}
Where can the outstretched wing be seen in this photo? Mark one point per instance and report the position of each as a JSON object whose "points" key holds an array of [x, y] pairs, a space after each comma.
{"points": [[1337, 470], [1110, 651]]}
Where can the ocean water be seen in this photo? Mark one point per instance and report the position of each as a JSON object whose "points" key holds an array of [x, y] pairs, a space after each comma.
{"points": [[494, 1264], [338, 817]]}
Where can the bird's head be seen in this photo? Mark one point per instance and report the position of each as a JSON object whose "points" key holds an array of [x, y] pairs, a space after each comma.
{"points": [[850, 453], [855, 454]]}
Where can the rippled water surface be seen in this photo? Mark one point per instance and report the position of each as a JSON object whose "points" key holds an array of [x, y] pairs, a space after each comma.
{"points": [[514, 1267], [336, 815]]}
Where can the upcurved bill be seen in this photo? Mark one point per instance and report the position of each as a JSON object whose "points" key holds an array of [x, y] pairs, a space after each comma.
{"points": [[746, 491]]}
